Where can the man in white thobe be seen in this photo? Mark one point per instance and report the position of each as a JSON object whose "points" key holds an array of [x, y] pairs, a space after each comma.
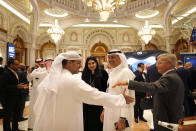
{"points": [[115, 118], [37, 75], [59, 105]]}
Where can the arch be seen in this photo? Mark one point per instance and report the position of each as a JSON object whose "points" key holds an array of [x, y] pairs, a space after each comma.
{"points": [[151, 46], [21, 30], [99, 35], [43, 38], [99, 50], [20, 50], [181, 46], [1, 20], [48, 50]]}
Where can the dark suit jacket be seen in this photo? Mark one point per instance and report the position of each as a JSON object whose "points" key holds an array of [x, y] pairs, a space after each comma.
{"points": [[1, 82], [152, 73], [192, 72], [168, 97], [1, 70], [185, 76], [10, 83], [139, 77]]}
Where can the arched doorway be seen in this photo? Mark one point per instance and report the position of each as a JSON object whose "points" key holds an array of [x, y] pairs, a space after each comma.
{"points": [[99, 50], [150, 46], [20, 50], [48, 50], [181, 46]]}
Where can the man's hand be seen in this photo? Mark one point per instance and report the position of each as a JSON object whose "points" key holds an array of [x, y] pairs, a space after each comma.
{"points": [[120, 126], [102, 116], [127, 98], [120, 83]]}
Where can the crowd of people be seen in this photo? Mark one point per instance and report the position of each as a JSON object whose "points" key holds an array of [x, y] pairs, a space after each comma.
{"points": [[98, 99]]}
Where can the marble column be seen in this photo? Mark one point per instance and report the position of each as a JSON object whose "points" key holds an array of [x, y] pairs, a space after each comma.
{"points": [[34, 21], [167, 44]]}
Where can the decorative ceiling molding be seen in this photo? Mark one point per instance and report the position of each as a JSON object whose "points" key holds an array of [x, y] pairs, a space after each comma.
{"points": [[77, 7]]}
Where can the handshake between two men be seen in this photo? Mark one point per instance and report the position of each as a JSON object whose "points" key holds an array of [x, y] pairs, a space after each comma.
{"points": [[127, 98]]}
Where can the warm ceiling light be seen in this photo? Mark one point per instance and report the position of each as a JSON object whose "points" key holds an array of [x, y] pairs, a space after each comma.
{"points": [[7, 6], [104, 7], [56, 12], [146, 33], [45, 25], [147, 14], [56, 32], [101, 25], [184, 15]]}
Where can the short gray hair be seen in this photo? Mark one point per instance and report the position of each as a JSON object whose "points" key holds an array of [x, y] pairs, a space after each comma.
{"points": [[170, 57]]}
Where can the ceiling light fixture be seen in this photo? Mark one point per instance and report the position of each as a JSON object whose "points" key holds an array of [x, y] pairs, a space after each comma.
{"points": [[101, 25], [146, 33], [147, 14], [56, 32], [54, 12], [45, 25], [104, 7]]}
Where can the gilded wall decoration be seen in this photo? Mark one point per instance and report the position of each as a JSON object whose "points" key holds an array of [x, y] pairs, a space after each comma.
{"points": [[73, 36], [99, 50], [181, 46], [125, 37], [1, 21], [150, 46], [48, 51], [20, 50]]}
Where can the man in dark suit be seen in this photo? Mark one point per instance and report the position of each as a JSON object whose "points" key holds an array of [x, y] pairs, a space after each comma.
{"points": [[168, 91], [139, 76], [152, 73], [12, 96], [1, 86], [1, 65], [185, 76], [22, 74], [152, 76]]}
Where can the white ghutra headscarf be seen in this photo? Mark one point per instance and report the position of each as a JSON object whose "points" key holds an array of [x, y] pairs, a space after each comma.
{"points": [[48, 89], [122, 56]]}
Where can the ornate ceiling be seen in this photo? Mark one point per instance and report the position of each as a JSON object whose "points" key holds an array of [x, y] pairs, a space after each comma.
{"points": [[79, 12]]}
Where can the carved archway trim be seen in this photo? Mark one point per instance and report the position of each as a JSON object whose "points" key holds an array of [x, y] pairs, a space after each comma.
{"points": [[151, 46], [99, 50], [21, 30], [20, 50], [181, 46], [48, 44], [97, 32]]}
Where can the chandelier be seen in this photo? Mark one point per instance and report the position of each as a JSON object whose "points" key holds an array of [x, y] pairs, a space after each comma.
{"points": [[146, 33], [55, 31], [104, 7]]}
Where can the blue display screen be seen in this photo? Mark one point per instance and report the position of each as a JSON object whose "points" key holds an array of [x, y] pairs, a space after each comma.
{"points": [[191, 59], [11, 50], [133, 62], [193, 35]]}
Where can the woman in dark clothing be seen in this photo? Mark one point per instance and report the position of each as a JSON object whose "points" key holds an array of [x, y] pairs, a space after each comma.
{"points": [[97, 78]]}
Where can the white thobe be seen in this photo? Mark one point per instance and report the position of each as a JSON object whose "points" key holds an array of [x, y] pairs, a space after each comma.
{"points": [[61, 109], [36, 76], [112, 115]]}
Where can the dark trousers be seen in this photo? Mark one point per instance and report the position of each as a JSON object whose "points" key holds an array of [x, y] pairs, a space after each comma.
{"points": [[91, 117], [11, 113], [22, 104], [138, 112]]}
